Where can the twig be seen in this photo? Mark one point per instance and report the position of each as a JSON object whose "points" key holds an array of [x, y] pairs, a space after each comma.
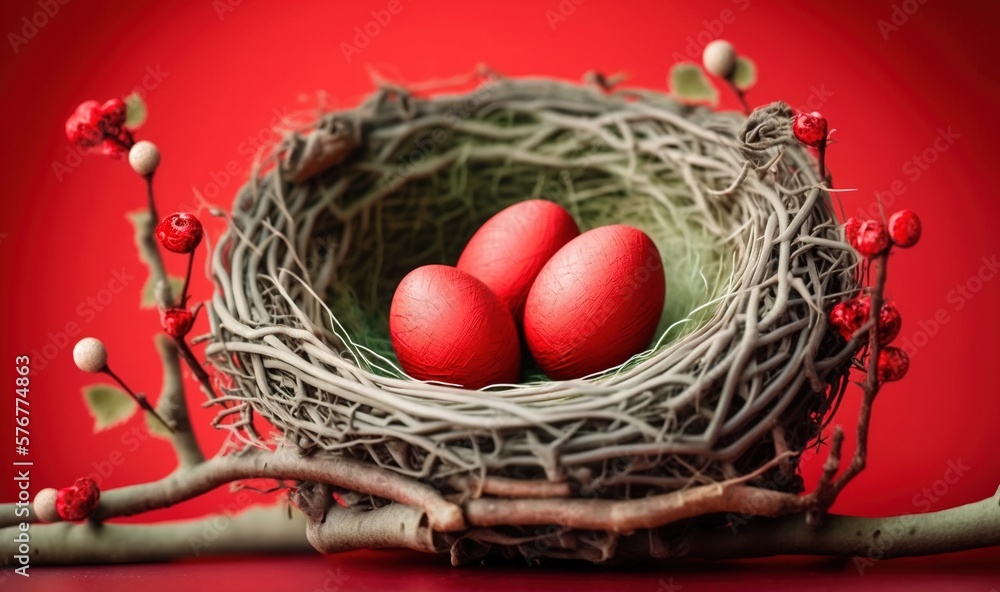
{"points": [[137, 397], [149, 252], [829, 488], [196, 368], [151, 201], [173, 406]]}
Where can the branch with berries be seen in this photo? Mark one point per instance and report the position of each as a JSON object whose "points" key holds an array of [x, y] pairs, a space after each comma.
{"points": [[421, 517]]}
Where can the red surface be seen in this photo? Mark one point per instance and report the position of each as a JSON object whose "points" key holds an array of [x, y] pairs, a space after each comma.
{"points": [[401, 571], [914, 109]]}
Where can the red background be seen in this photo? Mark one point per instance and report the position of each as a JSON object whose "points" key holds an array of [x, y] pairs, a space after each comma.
{"points": [[222, 77]]}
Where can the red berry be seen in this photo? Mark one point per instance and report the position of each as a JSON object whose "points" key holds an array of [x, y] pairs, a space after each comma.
{"points": [[102, 127], [176, 322], [904, 228], [179, 233], [889, 323], [83, 126], [847, 317], [113, 114], [78, 501], [893, 363], [810, 128], [840, 319], [851, 228], [872, 238]]}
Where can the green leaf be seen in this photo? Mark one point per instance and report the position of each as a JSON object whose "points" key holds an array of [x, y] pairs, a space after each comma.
{"points": [[109, 405], [135, 111], [745, 74], [139, 220], [157, 427], [688, 84], [149, 290]]}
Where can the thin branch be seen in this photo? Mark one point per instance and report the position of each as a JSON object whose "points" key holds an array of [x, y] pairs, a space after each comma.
{"points": [[173, 406], [828, 488], [196, 368], [150, 200], [149, 252], [137, 397]]}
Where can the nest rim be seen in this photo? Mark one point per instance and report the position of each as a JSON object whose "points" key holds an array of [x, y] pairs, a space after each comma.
{"points": [[473, 414]]}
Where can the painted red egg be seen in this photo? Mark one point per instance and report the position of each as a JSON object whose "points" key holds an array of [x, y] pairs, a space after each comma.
{"points": [[596, 303], [509, 250], [446, 325]]}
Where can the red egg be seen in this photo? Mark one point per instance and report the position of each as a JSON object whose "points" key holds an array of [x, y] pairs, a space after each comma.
{"points": [[509, 250], [446, 325], [596, 303]]}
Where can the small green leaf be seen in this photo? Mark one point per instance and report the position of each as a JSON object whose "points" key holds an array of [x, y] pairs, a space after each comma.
{"points": [[139, 220], [135, 111], [149, 290], [688, 84], [109, 405], [745, 74], [156, 427]]}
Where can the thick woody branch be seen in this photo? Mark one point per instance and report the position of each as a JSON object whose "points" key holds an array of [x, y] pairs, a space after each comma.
{"points": [[267, 530], [624, 516], [970, 526], [395, 526], [282, 464]]}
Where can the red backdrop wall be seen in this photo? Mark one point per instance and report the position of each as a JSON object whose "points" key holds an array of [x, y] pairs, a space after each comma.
{"points": [[910, 87]]}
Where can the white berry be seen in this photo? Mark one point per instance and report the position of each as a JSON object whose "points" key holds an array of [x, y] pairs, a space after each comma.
{"points": [[144, 157], [44, 505], [719, 58], [90, 355]]}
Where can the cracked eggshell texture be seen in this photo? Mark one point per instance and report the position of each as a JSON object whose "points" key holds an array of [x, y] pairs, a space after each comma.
{"points": [[596, 303], [510, 249], [446, 325]]}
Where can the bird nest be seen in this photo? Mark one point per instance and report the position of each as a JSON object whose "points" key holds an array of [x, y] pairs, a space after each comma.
{"points": [[744, 371]]}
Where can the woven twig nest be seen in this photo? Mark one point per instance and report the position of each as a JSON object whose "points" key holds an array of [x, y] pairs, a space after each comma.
{"points": [[319, 241]]}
